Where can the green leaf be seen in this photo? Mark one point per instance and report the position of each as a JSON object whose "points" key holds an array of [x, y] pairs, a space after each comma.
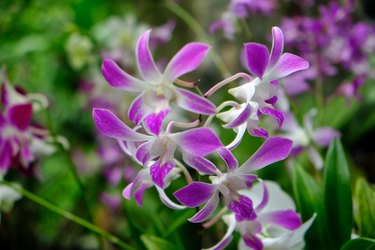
{"points": [[365, 213], [155, 243], [337, 195], [360, 243], [179, 221], [308, 196]]}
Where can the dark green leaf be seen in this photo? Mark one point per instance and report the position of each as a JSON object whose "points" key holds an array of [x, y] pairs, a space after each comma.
{"points": [[360, 244], [308, 196], [155, 243], [365, 213], [337, 195]]}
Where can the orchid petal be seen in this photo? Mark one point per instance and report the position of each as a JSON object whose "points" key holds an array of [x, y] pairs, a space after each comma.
{"points": [[118, 78], [126, 193], [194, 103], [4, 95], [20, 115], [324, 135], [186, 60], [288, 219], [241, 118], [287, 64], [227, 238], [110, 125], [168, 202], [147, 151], [240, 132], [258, 132], [195, 194], [199, 163], [5, 155], [257, 56], [277, 114], [139, 193], [229, 159], [137, 111], [145, 61], [154, 121], [198, 141], [273, 149], [277, 45], [158, 172], [253, 242], [243, 208], [207, 210]]}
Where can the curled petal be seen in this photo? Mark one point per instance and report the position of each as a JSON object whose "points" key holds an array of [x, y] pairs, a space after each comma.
{"points": [[207, 210], [146, 65], [186, 60], [257, 58], [258, 132], [288, 64], [229, 159], [277, 45], [197, 141], [224, 242], [168, 202], [273, 149], [194, 103], [241, 117], [110, 125], [199, 163], [195, 194], [240, 132], [277, 114], [20, 115], [118, 78]]}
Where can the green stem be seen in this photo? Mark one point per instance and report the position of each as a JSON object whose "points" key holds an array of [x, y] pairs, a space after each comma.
{"points": [[200, 33], [67, 215]]}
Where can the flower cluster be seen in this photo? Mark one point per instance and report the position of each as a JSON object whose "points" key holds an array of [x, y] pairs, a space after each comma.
{"points": [[166, 155]]}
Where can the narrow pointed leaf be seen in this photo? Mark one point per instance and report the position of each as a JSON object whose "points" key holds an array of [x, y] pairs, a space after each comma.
{"points": [[365, 213], [360, 243]]}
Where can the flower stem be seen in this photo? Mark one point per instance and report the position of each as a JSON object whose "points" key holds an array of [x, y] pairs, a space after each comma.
{"points": [[67, 215], [200, 33]]}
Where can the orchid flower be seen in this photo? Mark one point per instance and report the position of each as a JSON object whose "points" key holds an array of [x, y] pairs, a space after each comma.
{"points": [[20, 141], [277, 225], [259, 95], [305, 137], [157, 89], [194, 144], [228, 184]]}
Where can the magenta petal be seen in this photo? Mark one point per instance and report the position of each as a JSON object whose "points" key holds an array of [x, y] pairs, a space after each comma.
{"points": [[272, 100], [288, 219], [145, 153], [259, 132], [139, 193], [126, 193], [137, 111], [207, 210], [277, 45], [158, 172], [257, 58], [110, 125], [154, 121], [5, 155], [323, 136], [198, 141], [229, 159], [118, 78], [146, 65], [194, 103], [186, 60], [241, 118], [195, 194], [4, 97], [273, 149], [265, 198], [199, 163], [20, 115], [243, 208], [253, 242], [288, 64], [277, 114]]}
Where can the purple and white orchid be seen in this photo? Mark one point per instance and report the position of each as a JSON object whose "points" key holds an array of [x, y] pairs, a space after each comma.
{"points": [[157, 89], [228, 184], [277, 225]]}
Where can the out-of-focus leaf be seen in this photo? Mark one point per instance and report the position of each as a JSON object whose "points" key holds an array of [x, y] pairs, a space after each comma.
{"points": [[337, 195], [359, 244], [155, 243], [365, 213], [179, 221], [308, 196]]}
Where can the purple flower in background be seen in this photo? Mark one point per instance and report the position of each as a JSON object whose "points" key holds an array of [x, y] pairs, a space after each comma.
{"points": [[243, 8], [277, 225], [228, 184], [156, 88], [305, 137]]}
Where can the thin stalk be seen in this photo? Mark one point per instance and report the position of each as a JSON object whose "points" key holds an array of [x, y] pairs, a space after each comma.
{"points": [[200, 33], [67, 215]]}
